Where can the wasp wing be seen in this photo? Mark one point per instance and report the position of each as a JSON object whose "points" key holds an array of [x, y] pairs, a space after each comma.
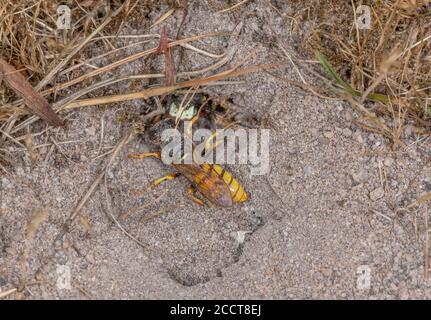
{"points": [[207, 182]]}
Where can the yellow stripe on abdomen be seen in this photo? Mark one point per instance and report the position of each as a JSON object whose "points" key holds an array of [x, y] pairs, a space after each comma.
{"points": [[236, 190]]}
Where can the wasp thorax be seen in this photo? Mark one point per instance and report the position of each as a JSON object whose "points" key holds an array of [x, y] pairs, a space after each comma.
{"points": [[154, 133]]}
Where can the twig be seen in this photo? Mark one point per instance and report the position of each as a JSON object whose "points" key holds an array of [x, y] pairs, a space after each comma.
{"points": [[233, 7], [158, 91], [7, 293], [185, 6]]}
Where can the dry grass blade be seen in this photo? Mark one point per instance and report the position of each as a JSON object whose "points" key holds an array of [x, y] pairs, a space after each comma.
{"points": [[184, 5], [65, 61], [389, 54], [170, 72], [158, 91], [344, 87], [123, 61], [163, 17], [33, 100], [234, 6], [7, 293]]}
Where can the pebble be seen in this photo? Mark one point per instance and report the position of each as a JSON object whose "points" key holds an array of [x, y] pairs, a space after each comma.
{"points": [[328, 134], [5, 183], [239, 236], [90, 258], [323, 140], [91, 131], [110, 174], [20, 171], [388, 162], [314, 132], [347, 132], [360, 177], [65, 244], [358, 137], [39, 276], [377, 194], [308, 170]]}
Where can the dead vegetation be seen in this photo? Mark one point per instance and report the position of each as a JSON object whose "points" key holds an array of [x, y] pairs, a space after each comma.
{"points": [[54, 61], [384, 70]]}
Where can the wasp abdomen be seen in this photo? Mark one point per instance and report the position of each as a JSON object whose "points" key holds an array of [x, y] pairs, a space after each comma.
{"points": [[237, 191]]}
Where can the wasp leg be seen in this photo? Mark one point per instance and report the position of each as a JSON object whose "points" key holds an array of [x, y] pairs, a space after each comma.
{"points": [[155, 183], [195, 118], [145, 155], [191, 193]]}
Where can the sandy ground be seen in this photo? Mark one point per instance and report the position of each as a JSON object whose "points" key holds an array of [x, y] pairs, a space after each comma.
{"points": [[329, 207]]}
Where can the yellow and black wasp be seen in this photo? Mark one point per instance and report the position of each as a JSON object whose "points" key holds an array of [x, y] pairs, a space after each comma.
{"points": [[211, 180]]}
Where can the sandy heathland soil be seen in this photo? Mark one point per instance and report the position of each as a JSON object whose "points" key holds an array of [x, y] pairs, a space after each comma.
{"points": [[325, 217]]}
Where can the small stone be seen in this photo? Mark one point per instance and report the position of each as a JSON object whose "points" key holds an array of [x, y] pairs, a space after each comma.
{"points": [[347, 132], [314, 132], [65, 244], [323, 140], [110, 174], [358, 137], [360, 177], [90, 258], [409, 258], [349, 116], [20, 171], [5, 183], [91, 131], [377, 194], [388, 162], [328, 134], [308, 170], [39, 276], [239, 236]]}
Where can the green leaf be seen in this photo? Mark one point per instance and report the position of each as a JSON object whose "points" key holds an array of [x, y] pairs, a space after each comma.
{"points": [[344, 86]]}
